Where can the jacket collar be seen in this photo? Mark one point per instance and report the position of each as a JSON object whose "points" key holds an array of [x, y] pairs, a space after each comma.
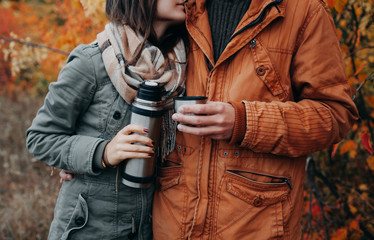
{"points": [[258, 16]]}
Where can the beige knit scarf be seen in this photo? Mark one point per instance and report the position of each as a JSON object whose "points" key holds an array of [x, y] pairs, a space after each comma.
{"points": [[119, 43]]}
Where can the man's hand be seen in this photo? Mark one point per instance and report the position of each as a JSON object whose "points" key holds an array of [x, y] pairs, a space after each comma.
{"points": [[66, 175], [213, 119]]}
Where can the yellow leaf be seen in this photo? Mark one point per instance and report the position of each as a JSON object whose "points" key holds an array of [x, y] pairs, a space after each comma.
{"points": [[352, 208], [352, 154], [371, 59], [363, 187], [343, 23]]}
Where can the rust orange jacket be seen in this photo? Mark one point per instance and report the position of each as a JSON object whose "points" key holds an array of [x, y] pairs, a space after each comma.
{"points": [[284, 64]]}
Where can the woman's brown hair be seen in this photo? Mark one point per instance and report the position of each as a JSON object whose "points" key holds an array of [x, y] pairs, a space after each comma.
{"points": [[139, 15]]}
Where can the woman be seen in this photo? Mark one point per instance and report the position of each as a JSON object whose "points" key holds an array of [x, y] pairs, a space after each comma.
{"points": [[83, 125]]}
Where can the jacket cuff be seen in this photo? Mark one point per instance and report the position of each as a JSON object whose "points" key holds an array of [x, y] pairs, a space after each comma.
{"points": [[98, 156], [83, 153], [251, 125], [240, 123]]}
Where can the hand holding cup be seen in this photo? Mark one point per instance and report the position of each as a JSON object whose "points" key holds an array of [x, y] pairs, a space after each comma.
{"points": [[212, 119]]}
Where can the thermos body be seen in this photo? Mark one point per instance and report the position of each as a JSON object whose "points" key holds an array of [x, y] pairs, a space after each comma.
{"points": [[146, 111]]}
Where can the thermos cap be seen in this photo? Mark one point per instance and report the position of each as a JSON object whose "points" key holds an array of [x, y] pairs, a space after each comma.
{"points": [[151, 91]]}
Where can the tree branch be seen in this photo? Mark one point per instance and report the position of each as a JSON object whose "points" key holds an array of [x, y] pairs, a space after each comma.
{"points": [[362, 84], [31, 44], [311, 170]]}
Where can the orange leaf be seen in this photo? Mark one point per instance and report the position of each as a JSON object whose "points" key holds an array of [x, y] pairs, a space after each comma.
{"points": [[366, 142], [370, 162], [339, 5], [331, 3], [360, 68], [334, 148], [354, 225], [341, 234], [347, 146], [370, 100]]}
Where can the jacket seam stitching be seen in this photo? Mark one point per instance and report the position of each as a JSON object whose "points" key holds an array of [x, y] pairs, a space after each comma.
{"points": [[306, 24]]}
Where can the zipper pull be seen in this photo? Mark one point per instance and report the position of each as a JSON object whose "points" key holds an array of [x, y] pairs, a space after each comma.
{"points": [[288, 182], [133, 230], [253, 43]]}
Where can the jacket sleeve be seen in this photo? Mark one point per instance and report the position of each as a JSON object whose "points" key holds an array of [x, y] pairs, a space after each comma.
{"points": [[52, 137], [323, 110]]}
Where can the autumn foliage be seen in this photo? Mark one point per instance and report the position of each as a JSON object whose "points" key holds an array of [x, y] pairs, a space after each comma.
{"points": [[37, 35]]}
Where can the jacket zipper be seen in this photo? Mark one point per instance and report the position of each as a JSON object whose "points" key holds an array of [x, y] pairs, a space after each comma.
{"points": [[259, 18], [283, 179], [251, 24]]}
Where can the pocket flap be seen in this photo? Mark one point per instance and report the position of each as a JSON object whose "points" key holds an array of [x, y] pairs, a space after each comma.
{"points": [[257, 193], [265, 69], [168, 176], [168, 182], [79, 217]]}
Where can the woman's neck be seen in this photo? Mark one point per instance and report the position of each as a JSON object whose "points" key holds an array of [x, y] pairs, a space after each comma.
{"points": [[160, 28]]}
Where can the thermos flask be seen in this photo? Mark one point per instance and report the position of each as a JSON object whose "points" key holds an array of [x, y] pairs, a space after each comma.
{"points": [[146, 111]]}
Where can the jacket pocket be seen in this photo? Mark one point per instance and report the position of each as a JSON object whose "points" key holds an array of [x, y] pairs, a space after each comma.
{"points": [[258, 203], [170, 199], [78, 219]]}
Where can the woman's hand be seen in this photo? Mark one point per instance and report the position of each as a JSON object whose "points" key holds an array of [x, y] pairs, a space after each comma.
{"points": [[213, 119], [123, 145]]}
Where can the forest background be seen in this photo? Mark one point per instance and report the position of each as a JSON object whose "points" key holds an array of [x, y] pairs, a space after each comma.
{"points": [[37, 35]]}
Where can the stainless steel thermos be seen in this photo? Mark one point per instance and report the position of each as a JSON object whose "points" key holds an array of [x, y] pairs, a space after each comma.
{"points": [[146, 111]]}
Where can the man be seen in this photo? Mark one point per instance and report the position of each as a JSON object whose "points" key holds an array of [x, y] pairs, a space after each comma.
{"points": [[273, 73]]}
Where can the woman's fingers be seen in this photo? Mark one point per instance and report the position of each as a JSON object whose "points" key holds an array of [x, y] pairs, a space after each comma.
{"points": [[132, 128], [128, 155], [130, 142], [135, 148], [133, 134]]}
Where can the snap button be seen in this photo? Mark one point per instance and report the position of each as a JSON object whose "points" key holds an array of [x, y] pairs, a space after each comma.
{"points": [[258, 202], [79, 221], [261, 70], [117, 115]]}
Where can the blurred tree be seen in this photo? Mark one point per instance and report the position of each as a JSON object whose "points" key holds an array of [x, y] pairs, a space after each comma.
{"points": [[339, 199], [33, 31]]}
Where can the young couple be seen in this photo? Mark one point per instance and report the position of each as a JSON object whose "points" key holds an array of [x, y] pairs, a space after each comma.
{"points": [[275, 80]]}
